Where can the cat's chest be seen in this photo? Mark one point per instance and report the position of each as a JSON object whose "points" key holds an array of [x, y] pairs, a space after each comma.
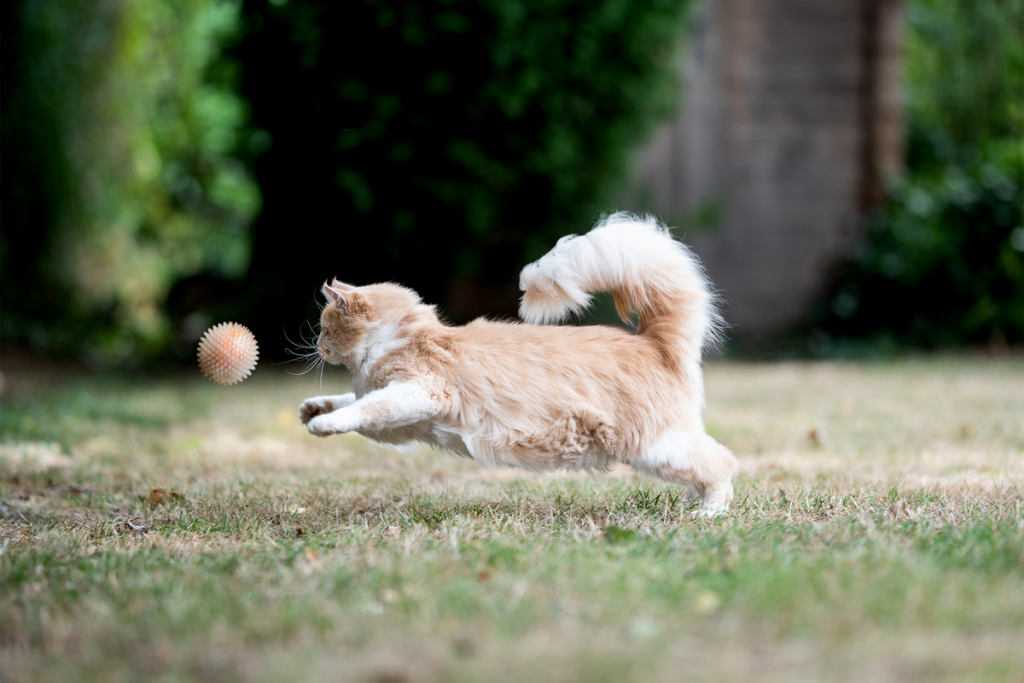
{"points": [[364, 383], [361, 385], [368, 380]]}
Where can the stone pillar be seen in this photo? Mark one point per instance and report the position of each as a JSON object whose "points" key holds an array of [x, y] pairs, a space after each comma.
{"points": [[791, 119]]}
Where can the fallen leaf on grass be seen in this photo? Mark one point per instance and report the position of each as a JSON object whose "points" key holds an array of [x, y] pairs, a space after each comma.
{"points": [[392, 675], [161, 496]]}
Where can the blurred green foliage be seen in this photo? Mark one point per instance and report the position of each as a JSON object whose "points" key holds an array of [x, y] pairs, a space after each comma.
{"points": [[437, 143], [942, 263], [441, 143], [119, 128], [964, 79]]}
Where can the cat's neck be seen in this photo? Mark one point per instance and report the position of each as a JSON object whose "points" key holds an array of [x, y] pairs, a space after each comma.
{"points": [[380, 339], [384, 337]]}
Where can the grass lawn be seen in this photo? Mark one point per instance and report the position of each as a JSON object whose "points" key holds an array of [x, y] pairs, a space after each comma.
{"points": [[169, 529]]}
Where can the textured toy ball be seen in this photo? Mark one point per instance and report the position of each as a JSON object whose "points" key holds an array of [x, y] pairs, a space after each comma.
{"points": [[228, 353]]}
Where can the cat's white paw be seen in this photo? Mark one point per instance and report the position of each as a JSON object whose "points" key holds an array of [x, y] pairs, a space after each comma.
{"points": [[710, 511], [322, 405], [312, 407], [337, 422], [715, 502]]}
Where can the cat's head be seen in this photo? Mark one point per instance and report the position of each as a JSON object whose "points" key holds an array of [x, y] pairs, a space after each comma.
{"points": [[358, 317]]}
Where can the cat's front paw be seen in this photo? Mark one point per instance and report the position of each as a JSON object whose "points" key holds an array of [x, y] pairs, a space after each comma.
{"points": [[333, 423], [311, 407], [322, 405]]}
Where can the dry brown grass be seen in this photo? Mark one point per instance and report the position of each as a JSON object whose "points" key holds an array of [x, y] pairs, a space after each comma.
{"points": [[877, 534]]}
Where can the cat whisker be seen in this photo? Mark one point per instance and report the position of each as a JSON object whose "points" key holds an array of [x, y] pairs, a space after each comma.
{"points": [[311, 329], [304, 351], [298, 357], [305, 343], [308, 354], [312, 362]]}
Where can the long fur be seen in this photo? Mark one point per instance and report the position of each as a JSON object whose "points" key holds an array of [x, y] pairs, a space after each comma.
{"points": [[536, 396]]}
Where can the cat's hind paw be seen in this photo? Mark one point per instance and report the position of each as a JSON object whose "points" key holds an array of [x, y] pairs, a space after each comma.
{"points": [[715, 503]]}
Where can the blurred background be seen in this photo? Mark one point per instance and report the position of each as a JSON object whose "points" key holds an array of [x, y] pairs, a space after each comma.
{"points": [[851, 172]]}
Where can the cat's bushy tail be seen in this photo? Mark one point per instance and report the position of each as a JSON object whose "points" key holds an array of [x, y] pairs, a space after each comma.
{"points": [[649, 274]]}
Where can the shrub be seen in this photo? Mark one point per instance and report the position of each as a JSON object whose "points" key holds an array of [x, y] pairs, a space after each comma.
{"points": [[941, 264], [119, 126], [442, 143]]}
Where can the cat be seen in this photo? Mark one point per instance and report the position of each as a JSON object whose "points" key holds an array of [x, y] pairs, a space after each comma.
{"points": [[535, 396]]}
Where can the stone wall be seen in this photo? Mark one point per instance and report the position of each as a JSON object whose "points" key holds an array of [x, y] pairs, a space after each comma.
{"points": [[790, 121]]}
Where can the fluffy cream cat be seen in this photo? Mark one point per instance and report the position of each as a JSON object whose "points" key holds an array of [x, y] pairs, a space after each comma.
{"points": [[535, 396]]}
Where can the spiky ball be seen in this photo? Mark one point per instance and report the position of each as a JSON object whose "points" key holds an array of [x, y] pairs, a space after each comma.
{"points": [[228, 353]]}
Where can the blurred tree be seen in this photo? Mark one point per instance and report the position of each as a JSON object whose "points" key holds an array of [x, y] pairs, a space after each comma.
{"points": [[439, 143], [964, 80], [119, 125], [942, 263]]}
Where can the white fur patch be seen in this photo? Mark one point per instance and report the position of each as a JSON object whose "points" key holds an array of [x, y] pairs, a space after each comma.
{"points": [[673, 449], [407, 404], [397, 405], [319, 405], [380, 340], [623, 252], [346, 419]]}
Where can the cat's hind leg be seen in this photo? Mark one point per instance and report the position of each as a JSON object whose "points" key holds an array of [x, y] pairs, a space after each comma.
{"points": [[695, 461], [397, 405], [321, 405]]}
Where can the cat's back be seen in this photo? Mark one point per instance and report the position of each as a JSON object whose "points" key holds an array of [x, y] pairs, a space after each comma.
{"points": [[528, 378], [483, 334], [513, 364], [544, 351]]}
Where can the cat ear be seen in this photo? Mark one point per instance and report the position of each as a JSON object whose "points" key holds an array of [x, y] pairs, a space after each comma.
{"points": [[341, 286], [335, 296]]}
